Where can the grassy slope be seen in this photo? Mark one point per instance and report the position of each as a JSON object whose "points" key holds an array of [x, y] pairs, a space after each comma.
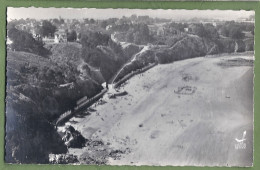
{"points": [[34, 101]]}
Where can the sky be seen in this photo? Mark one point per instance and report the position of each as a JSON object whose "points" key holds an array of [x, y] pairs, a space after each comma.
{"points": [[80, 13]]}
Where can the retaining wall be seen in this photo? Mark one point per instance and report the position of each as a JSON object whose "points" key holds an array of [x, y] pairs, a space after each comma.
{"points": [[83, 104], [138, 71]]}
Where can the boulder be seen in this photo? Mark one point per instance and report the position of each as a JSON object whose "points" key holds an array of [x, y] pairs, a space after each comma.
{"points": [[63, 159], [73, 138]]}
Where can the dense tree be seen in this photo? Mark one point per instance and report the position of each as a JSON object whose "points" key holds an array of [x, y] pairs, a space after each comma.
{"points": [[117, 48], [224, 31], [205, 31], [47, 29], [210, 31], [89, 41], [93, 39], [100, 51], [91, 21], [199, 30], [121, 27], [250, 28], [251, 18], [104, 24], [137, 37], [72, 36], [178, 26], [30, 138], [144, 34], [24, 41], [86, 20], [56, 22], [236, 33], [133, 17], [138, 34], [232, 29], [111, 21], [129, 37], [145, 19]]}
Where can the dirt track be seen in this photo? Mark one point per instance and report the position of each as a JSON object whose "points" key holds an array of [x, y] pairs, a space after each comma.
{"points": [[185, 113]]}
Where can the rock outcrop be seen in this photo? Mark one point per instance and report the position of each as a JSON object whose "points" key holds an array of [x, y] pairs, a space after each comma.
{"points": [[73, 139]]}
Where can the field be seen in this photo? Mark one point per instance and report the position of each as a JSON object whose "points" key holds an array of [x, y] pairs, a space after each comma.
{"points": [[185, 113]]}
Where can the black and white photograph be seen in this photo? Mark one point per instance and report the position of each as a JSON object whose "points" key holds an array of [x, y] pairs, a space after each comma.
{"points": [[131, 87]]}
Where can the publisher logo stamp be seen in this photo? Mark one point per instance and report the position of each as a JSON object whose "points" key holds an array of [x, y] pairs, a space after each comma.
{"points": [[241, 142]]}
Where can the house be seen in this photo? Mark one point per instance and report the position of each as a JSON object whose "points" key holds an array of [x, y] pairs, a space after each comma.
{"points": [[160, 31], [60, 36], [36, 35], [192, 28], [8, 44], [170, 31], [21, 27], [214, 24], [109, 27], [9, 41], [186, 29], [153, 29], [48, 40], [78, 37]]}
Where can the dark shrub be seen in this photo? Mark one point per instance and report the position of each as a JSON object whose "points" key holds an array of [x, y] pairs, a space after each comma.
{"points": [[24, 41]]}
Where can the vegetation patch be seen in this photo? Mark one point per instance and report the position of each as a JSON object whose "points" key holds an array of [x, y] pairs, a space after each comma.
{"points": [[238, 62]]}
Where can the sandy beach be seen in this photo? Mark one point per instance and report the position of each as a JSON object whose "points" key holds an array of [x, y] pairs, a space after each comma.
{"points": [[185, 113]]}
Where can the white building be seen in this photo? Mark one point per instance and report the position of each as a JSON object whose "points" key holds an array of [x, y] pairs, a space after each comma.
{"points": [[60, 36]]}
